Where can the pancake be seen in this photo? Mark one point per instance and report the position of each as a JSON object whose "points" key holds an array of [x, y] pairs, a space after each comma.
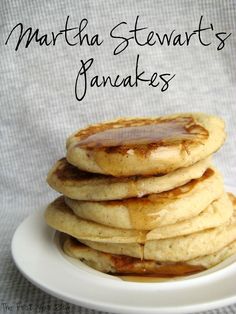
{"points": [[216, 214], [128, 249], [209, 246], [145, 146], [208, 261], [60, 217], [120, 264], [154, 210], [193, 245], [139, 250], [81, 185]]}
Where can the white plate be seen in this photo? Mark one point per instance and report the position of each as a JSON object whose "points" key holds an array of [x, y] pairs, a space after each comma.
{"points": [[40, 260]]}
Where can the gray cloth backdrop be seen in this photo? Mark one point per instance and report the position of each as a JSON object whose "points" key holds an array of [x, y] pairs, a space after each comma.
{"points": [[39, 109]]}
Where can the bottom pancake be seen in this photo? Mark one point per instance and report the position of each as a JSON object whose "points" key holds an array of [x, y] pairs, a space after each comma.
{"points": [[125, 265]]}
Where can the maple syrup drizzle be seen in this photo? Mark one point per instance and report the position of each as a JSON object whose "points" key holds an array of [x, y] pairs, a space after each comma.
{"points": [[138, 135]]}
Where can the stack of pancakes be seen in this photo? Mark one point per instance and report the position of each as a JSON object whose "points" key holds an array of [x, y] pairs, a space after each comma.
{"points": [[141, 196]]}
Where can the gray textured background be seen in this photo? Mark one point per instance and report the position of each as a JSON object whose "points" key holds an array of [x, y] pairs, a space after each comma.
{"points": [[39, 109]]}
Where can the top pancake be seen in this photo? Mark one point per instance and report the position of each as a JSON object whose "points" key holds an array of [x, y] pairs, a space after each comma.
{"points": [[145, 146]]}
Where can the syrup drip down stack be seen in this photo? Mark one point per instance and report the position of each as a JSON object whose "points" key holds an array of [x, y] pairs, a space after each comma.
{"points": [[142, 197]]}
